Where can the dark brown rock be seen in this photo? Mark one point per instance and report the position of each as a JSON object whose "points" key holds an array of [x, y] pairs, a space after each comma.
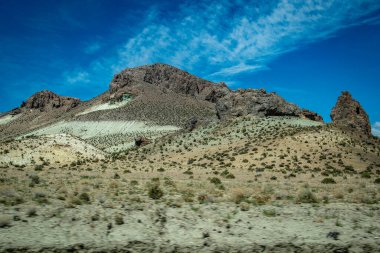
{"points": [[311, 115], [166, 77], [349, 114], [141, 141], [255, 102], [46, 100]]}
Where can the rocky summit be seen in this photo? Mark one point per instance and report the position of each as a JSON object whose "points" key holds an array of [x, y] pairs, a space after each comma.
{"points": [[47, 100], [349, 114], [227, 103]]}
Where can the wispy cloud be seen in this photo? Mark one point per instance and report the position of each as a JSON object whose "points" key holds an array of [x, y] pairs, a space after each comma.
{"points": [[241, 67], [230, 37], [376, 129], [77, 77], [92, 47]]}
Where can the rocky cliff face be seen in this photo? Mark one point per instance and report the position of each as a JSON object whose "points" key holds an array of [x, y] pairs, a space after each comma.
{"points": [[349, 114], [255, 102], [46, 100], [227, 103]]}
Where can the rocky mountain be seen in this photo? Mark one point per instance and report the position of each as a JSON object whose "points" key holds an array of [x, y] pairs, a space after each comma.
{"points": [[349, 114], [154, 100], [163, 152], [226, 103], [47, 100]]}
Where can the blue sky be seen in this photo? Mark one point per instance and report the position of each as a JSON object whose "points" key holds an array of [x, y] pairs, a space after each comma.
{"points": [[306, 51]]}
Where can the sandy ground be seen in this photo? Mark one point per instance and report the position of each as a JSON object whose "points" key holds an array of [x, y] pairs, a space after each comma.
{"points": [[8, 118], [194, 228], [89, 129], [105, 106], [52, 148]]}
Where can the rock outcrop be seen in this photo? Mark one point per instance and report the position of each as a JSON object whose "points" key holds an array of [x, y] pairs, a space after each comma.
{"points": [[255, 102], [46, 100], [227, 103], [349, 114], [169, 78], [311, 115]]}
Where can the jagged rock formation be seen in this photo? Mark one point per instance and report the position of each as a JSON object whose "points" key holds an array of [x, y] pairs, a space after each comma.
{"points": [[349, 114], [46, 100], [255, 102], [312, 115], [227, 103], [166, 77]]}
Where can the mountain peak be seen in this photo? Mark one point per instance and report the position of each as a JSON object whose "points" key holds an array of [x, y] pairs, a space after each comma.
{"points": [[46, 99]]}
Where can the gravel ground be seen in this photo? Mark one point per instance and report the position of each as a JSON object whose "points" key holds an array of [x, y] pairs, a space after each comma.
{"points": [[217, 227]]}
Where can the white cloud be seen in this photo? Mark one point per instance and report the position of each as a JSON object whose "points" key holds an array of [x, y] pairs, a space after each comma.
{"points": [[229, 37], [92, 48], [242, 67], [77, 77], [376, 129]]}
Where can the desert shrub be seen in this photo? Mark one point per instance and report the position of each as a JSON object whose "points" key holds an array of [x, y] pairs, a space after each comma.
{"points": [[84, 197], [38, 167], [34, 179], [10, 197], [134, 182], [188, 196], [188, 172], [239, 195], [227, 174], [244, 206], [262, 199], [74, 201], [328, 180], [119, 219], [377, 181], [306, 196], [169, 182], [41, 197], [269, 212], [5, 221], [366, 174], [204, 198], [215, 181], [155, 191], [31, 212]]}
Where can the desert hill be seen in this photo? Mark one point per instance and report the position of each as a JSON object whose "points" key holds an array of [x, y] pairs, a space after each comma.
{"points": [[164, 154]]}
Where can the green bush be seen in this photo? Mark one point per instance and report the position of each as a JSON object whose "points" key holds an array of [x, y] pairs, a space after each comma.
{"points": [[215, 181], [84, 197], [306, 196], [155, 191], [328, 180]]}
